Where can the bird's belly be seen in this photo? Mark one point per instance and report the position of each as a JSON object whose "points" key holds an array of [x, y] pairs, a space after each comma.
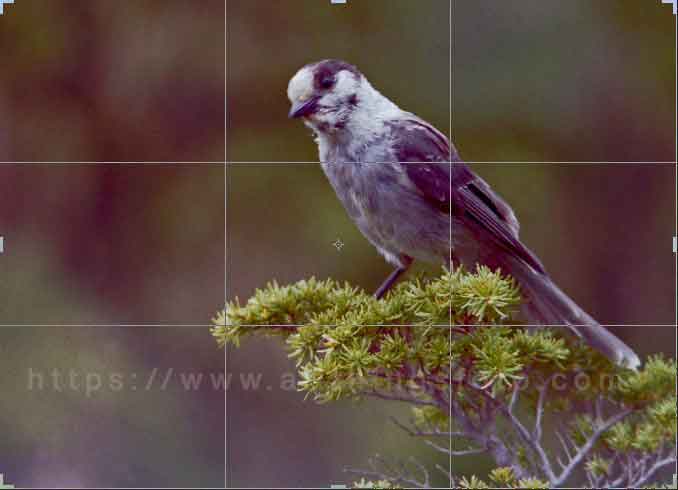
{"points": [[389, 213]]}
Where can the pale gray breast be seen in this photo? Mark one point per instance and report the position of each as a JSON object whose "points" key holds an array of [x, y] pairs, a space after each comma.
{"points": [[388, 210], [359, 185], [360, 175], [382, 201], [364, 190]]}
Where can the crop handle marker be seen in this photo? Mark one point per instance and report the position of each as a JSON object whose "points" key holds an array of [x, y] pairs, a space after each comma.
{"points": [[672, 2], [2, 477], [2, 11]]}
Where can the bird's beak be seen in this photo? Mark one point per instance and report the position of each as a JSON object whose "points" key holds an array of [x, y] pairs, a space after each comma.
{"points": [[304, 107]]}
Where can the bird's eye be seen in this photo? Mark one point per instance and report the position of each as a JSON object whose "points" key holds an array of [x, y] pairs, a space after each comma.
{"points": [[327, 82]]}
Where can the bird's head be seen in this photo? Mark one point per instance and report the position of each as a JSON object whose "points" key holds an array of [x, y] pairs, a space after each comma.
{"points": [[325, 94]]}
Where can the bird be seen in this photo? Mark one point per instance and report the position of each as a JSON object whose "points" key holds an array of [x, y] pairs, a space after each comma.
{"points": [[404, 185]]}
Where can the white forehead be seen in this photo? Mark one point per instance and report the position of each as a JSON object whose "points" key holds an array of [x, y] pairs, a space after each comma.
{"points": [[301, 84]]}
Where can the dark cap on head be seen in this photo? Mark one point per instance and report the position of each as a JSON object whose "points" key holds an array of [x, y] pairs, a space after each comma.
{"points": [[326, 71]]}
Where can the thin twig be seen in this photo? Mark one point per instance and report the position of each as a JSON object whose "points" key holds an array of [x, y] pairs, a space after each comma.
{"points": [[659, 464], [524, 433], [446, 473], [537, 432], [424, 471], [565, 446], [586, 448], [414, 401]]}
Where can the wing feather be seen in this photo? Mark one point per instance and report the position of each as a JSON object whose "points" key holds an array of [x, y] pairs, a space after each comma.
{"points": [[433, 166]]}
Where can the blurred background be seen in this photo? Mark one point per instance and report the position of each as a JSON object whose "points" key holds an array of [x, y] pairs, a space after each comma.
{"points": [[533, 82], [95, 80], [93, 244]]}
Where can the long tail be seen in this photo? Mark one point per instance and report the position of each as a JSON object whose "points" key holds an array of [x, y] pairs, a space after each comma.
{"points": [[546, 304]]}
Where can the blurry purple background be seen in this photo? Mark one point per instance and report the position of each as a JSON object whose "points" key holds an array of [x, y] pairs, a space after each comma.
{"points": [[110, 244]]}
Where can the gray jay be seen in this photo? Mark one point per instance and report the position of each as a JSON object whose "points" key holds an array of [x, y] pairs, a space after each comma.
{"points": [[412, 197]]}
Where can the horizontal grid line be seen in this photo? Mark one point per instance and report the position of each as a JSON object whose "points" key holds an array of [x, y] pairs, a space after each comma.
{"points": [[105, 325], [445, 325], [127, 162], [274, 162], [291, 325], [478, 162]]}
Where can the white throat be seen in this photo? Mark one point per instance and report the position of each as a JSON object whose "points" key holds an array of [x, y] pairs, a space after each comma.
{"points": [[365, 124], [372, 111]]}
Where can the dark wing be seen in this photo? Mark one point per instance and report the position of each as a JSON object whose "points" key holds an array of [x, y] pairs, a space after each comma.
{"points": [[483, 190], [424, 154], [449, 185], [481, 209]]}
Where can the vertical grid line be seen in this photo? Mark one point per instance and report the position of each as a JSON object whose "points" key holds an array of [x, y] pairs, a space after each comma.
{"points": [[675, 155], [449, 264], [226, 467]]}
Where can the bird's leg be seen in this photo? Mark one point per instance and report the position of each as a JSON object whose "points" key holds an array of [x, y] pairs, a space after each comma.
{"points": [[452, 260], [393, 277]]}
